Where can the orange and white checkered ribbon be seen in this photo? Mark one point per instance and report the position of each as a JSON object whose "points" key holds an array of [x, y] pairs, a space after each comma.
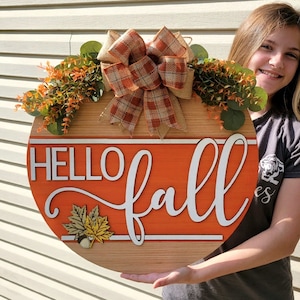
{"points": [[145, 77]]}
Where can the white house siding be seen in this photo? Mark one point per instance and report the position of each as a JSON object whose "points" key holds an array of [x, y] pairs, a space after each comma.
{"points": [[34, 264]]}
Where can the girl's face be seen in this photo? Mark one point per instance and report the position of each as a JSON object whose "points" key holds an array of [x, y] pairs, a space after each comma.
{"points": [[276, 61]]}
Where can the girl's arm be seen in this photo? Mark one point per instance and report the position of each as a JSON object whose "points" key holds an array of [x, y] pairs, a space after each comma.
{"points": [[278, 241]]}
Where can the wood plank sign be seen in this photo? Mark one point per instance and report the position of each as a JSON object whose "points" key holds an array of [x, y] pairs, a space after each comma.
{"points": [[142, 198]]}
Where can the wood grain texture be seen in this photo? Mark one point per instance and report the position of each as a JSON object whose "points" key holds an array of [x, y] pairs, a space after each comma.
{"points": [[150, 257], [88, 123]]}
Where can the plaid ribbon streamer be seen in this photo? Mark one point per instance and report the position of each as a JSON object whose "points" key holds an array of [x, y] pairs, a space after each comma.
{"points": [[141, 78]]}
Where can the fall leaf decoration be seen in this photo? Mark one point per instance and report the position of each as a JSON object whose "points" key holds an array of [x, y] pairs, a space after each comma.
{"points": [[77, 221], [97, 229], [88, 228], [227, 89], [75, 80]]}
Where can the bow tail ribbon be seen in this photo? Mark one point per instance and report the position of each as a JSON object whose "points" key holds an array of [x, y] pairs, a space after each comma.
{"points": [[162, 111], [126, 110]]}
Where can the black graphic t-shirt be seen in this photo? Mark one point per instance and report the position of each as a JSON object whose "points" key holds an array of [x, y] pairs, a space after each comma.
{"points": [[279, 150]]}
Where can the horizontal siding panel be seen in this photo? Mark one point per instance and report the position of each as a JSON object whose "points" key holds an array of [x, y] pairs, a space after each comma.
{"points": [[27, 219], [9, 290], [11, 88], [36, 241], [28, 280], [194, 16], [50, 287], [296, 271], [13, 174], [296, 274], [55, 44], [70, 2], [18, 133], [28, 67], [17, 196], [217, 45], [8, 112], [70, 276], [24, 67], [51, 47], [297, 251], [13, 153]]}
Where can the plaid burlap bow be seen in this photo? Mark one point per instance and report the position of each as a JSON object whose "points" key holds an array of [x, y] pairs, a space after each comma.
{"points": [[147, 77]]}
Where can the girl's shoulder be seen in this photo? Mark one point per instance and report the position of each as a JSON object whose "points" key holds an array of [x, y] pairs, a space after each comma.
{"points": [[282, 120], [274, 127]]}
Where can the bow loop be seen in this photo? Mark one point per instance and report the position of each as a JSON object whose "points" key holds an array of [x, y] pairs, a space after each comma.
{"points": [[173, 71], [129, 48], [165, 44], [120, 79]]}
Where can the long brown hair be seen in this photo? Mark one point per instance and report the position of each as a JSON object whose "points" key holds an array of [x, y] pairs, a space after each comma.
{"points": [[251, 35]]}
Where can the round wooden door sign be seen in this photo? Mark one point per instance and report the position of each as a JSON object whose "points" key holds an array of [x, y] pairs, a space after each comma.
{"points": [[141, 204]]}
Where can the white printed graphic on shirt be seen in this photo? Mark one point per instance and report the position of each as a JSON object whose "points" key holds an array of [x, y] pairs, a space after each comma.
{"points": [[271, 167]]}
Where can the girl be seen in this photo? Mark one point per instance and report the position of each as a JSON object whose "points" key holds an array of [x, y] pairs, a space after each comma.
{"points": [[254, 262]]}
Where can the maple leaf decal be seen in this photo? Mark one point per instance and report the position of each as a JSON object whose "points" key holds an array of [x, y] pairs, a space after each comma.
{"points": [[77, 221], [88, 228], [97, 229]]}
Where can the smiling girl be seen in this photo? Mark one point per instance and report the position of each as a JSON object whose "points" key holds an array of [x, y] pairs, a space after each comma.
{"points": [[254, 262]]}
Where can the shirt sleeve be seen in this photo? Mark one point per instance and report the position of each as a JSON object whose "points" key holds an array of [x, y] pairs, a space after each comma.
{"points": [[292, 163]]}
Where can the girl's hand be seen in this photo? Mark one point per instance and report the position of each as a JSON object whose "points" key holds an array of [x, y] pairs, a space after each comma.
{"points": [[181, 275]]}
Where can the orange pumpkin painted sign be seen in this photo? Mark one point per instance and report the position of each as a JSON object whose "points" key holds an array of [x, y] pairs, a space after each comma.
{"points": [[143, 203]]}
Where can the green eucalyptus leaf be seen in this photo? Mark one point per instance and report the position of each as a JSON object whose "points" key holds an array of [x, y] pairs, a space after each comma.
{"points": [[34, 113], [90, 48], [44, 112], [199, 51], [254, 107], [262, 102], [233, 119], [56, 127], [240, 69], [238, 106]]}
